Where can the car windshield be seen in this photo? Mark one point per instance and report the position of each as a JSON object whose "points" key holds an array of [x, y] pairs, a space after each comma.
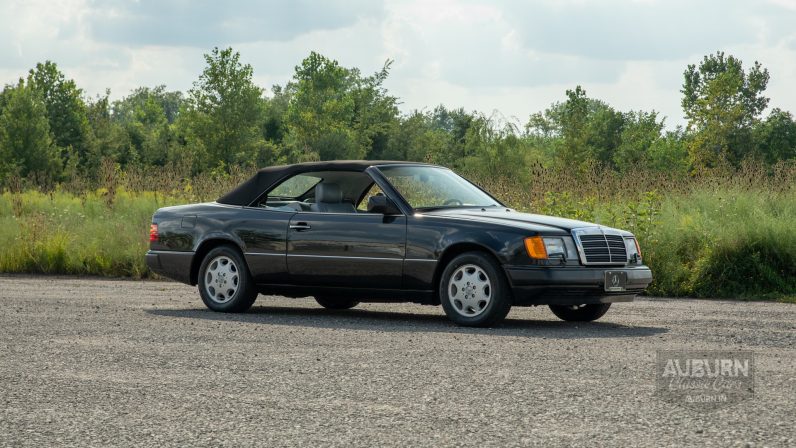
{"points": [[426, 187]]}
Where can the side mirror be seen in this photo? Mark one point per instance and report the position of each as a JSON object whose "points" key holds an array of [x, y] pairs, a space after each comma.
{"points": [[382, 204]]}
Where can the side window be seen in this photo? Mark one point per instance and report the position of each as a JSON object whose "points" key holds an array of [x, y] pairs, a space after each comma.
{"points": [[287, 195], [294, 187], [373, 191]]}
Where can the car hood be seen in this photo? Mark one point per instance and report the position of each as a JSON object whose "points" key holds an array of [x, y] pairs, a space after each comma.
{"points": [[507, 216]]}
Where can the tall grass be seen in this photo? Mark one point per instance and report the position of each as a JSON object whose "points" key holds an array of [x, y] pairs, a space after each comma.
{"points": [[733, 243], [728, 233], [718, 234], [62, 233]]}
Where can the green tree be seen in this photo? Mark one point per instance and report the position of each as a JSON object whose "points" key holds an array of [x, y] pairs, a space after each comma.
{"points": [[147, 116], [148, 105], [336, 113], [66, 110], [275, 109], [457, 125], [543, 135], [222, 116], [722, 103], [670, 152], [375, 111], [581, 130], [604, 132], [775, 137], [640, 131], [109, 138], [493, 149], [573, 122], [321, 111], [25, 143], [415, 138]]}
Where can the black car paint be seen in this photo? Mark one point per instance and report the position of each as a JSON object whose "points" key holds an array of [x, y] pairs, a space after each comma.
{"points": [[345, 249], [375, 256]]}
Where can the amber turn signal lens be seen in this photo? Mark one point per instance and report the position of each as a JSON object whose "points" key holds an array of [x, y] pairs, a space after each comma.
{"points": [[535, 247], [638, 248]]}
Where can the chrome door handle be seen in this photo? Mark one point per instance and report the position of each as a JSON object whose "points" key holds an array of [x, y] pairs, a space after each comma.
{"points": [[300, 226]]}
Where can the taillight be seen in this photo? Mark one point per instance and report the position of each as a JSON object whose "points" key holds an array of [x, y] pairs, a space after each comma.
{"points": [[153, 233]]}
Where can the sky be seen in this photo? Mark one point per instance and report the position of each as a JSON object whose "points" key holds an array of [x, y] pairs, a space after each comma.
{"points": [[502, 57]]}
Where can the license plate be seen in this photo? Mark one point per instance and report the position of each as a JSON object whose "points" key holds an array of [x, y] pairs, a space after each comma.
{"points": [[615, 281]]}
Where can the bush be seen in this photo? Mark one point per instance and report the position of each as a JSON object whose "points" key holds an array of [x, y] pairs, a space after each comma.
{"points": [[736, 243]]}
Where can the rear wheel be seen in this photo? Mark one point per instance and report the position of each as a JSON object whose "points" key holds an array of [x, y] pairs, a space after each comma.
{"points": [[224, 281], [580, 313], [473, 290], [334, 303]]}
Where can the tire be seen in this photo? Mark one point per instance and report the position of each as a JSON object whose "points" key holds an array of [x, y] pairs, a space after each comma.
{"points": [[580, 313], [334, 303], [225, 283], [489, 300]]}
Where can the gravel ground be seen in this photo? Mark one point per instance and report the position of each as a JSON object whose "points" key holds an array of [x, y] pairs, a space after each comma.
{"points": [[101, 362]]}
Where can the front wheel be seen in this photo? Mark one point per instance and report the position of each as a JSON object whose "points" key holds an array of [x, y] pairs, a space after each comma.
{"points": [[473, 290], [224, 281], [580, 313]]}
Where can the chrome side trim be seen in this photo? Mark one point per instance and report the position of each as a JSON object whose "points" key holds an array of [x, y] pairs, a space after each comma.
{"points": [[262, 254], [171, 252], [346, 257]]}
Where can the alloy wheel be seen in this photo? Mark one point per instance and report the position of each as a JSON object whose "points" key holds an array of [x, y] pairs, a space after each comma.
{"points": [[221, 279], [469, 290]]}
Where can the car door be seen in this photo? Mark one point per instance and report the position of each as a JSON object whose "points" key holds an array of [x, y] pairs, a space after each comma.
{"points": [[357, 250]]}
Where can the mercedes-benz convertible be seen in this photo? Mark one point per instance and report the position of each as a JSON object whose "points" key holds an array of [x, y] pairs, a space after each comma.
{"points": [[348, 232]]}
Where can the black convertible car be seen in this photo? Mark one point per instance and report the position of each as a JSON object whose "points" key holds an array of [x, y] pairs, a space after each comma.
{"points": [[359, 231]]}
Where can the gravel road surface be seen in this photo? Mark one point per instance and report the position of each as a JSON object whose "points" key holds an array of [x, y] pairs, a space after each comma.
{"points": [[89, 362]]}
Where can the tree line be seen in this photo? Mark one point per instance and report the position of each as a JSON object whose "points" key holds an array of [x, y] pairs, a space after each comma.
{"points": [[51, 132]]}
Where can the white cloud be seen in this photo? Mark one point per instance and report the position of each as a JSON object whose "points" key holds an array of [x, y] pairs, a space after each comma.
{"points": [[513, 57], [205, 23]]}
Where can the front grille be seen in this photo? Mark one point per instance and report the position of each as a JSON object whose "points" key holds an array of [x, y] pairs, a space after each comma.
{"points": [[599, 247]]}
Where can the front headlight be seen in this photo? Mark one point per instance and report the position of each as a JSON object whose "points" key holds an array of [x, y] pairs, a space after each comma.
{"points": [[633, 249], [555, 247]]}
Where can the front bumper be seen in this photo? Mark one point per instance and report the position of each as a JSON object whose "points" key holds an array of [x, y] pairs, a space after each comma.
{"points": [[572, 285]]}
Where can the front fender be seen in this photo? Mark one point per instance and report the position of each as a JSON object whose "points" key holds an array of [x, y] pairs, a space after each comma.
{"points": [[432, 241], [428, 238]]}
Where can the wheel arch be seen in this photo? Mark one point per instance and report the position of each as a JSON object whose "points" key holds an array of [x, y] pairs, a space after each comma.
{"points": [[204, 248], [452, 252]]}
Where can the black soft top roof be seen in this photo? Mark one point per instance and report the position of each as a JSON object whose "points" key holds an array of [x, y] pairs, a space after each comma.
{"points": [[251, 189]]}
